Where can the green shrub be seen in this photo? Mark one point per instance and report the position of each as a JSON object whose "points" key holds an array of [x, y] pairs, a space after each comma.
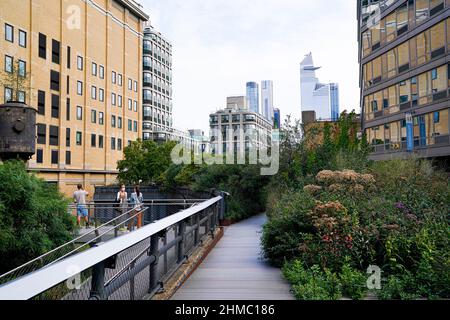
{"points": [[33, 216], [354, 282]]}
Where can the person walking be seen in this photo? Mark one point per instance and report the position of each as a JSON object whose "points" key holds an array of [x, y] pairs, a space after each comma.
{"points": [[79, 197], [137, 200], [122, 199]]}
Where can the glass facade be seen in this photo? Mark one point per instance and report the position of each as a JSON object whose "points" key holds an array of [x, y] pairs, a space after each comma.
{"points": [[405, 74], [253, 97]]}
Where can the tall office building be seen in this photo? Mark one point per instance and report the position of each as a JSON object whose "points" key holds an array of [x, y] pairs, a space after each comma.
{"points": [[85, 62], [405, 76], [276, 118], [157, 87], [253, 96], [267, 99], [315, 96]]}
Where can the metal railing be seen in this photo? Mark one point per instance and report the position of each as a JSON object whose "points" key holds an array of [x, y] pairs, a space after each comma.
{"points": [[123, 268]]}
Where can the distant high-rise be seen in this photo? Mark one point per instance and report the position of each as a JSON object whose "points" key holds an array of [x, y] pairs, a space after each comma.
{"points": [[253, 96], [267, 99], [319, 97], [276, 119]]}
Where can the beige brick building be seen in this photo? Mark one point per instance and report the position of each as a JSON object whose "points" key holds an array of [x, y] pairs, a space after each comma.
{"points": [[85, 62]]}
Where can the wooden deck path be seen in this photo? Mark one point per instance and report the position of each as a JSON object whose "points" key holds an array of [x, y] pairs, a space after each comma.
{"points": [[234, 269]]}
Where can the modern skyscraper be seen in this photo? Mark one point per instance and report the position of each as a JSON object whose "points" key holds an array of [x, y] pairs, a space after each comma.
{"points": [[253, 97], [157, 87], [276, 119], [405, 76], [267, 99], [315, 96], [85, 65]]}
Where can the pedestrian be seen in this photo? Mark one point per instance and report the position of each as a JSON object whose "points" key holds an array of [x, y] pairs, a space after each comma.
{"points": [[79, 197], [137, 200], [122, 199]]}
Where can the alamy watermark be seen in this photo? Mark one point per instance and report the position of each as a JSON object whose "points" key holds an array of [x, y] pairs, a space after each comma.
{"points": [[235, 147]]}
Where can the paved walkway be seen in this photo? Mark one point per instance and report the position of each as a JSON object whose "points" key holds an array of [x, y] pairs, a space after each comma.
{"points": [[235, 271]]}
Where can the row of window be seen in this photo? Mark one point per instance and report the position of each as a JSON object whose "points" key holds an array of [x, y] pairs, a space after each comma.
{"points": [[54, 157], [429, 129], [419, 50], [10, 35], [399, 22], [423, 89], [157, 84], [53, 138], [158, 52], [163, 72]]}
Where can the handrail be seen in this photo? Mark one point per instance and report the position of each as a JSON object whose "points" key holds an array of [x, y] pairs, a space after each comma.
{"points": [[32, 284]]}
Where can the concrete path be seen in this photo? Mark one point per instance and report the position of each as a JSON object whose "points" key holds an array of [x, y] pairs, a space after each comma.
{"points": [[234, 269]]}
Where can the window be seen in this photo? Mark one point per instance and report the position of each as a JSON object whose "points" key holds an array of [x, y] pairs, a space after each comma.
{"points": [[119, 122], [422, 8], [54, 136], [41, 133], [130, 104], [135, 106], [94, 92], [9, 64], [119, 144], [434, 74], [9, 33], [130, 84], [67, 137], [100, 142], [101, 72], [119, 79], [93, 116], [8, 94], [68, 85], [79, 138], [54, 80], [135, 86], [22, 39], [438, 40], [130, 125], [113, 143], [42, 46], [68, 158], [436, 117], [113, 99], [101, 119], [101, 95], [113, 77], [55, 156], [22, 68], [119, 100], [94, 69], [113, 121], [135, 127], [39, 156], [68, 109], [79, 113], [80, 62], [79, 88], [68, 57], [41, 102], [93, 140], [55, 106], [56, 47]]}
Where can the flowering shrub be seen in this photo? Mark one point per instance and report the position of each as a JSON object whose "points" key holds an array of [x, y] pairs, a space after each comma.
{"points": [[394, 216]]}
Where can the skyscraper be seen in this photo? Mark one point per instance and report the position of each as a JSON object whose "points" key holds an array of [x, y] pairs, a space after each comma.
{"points": [[157, 87], [405, 77], [267, 99], [253, 97], [315, 96], [276, 119]]}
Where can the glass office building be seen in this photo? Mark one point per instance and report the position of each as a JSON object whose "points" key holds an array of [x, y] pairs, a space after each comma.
{"points": [[253, 97], [405, 76]]}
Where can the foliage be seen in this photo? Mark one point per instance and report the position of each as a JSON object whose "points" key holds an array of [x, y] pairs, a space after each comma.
{"points": [[17, 80], [33, 216], [144, 162]]}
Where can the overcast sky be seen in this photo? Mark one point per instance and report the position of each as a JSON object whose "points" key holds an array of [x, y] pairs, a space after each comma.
{"points": [[219, 45]]}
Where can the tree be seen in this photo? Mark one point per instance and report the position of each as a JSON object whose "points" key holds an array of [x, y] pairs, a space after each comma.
{"points": [[18, 80], [145, 162], [33, 216]]}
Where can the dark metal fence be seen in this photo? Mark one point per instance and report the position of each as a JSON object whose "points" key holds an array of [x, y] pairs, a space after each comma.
{"points": [[129, 266]]}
